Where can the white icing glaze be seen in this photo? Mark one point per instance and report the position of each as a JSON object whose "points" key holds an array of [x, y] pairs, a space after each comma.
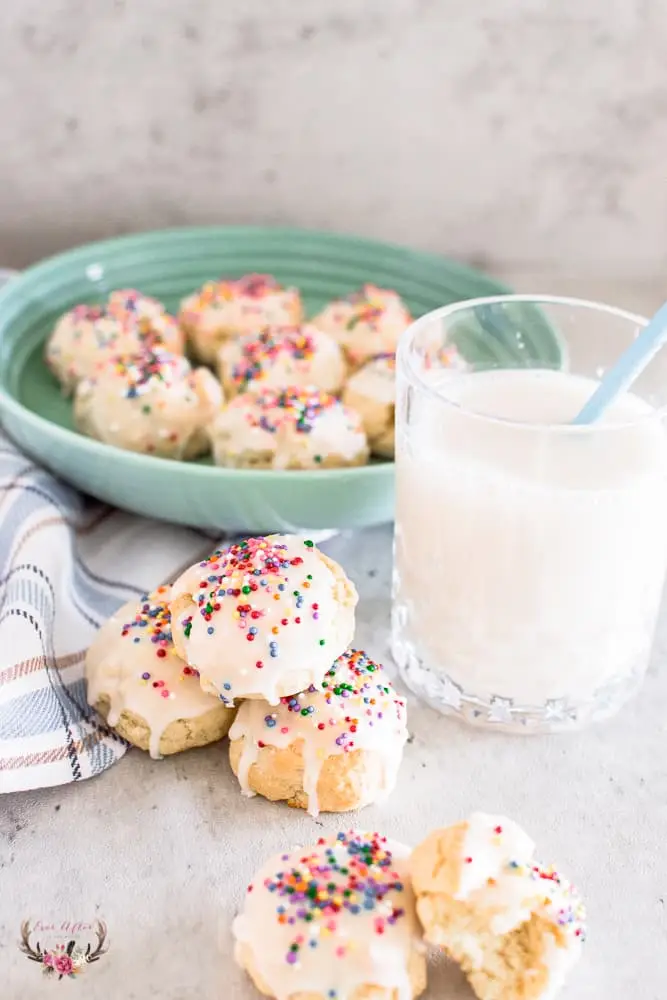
{"points": [[127, 323], [499, 875], [366, 323], [376, 381], [491, 842], [227, 308], [280, 356], [558, 961], [127, 304], [349, 921], [271, 601], [290, 428], [150, 402], [355, 708], [248, 757], [132, 661]]}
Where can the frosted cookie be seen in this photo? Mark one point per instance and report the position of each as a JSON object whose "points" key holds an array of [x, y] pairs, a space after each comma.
{"points": [[128, 323], [232, 307], [371, 392], [288, 429], [151, 402], [263, 618], [332, 748], [515, 927], [141, 687], [280, 356], [335, 921], [365, 323], [156, 325]]}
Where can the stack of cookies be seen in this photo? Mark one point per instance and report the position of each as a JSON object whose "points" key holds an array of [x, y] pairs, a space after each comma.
{"points": [[254, 641]]}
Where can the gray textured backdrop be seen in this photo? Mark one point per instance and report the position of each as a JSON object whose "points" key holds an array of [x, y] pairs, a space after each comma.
{"points": [[513, 133]]}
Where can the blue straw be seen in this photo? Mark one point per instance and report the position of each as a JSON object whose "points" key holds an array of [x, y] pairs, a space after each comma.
{"points": [[629, 366]]}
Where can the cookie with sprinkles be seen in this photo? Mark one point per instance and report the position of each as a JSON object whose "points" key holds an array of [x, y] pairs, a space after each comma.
{"points": [[335, 921], [150, 696], [129, 305], [515, 926], [280, 356], [127, 323], [263, 618], [232, 307], [151, 402], [292, 428], [365, 323], [371, 392], [331, 748]]}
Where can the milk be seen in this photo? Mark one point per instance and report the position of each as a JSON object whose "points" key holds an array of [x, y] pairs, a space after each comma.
{"points": [[530, 555]]}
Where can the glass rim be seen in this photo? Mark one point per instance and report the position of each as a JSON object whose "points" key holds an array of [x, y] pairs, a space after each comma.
{"points": [[405, 361]]}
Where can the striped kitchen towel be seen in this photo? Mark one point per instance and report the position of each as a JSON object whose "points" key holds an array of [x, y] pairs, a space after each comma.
{"points": [[66, 563]]}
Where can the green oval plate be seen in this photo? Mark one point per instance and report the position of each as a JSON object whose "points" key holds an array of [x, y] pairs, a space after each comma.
{"points": [[168, 264]]}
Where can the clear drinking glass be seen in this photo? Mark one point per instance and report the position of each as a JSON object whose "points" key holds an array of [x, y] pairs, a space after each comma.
{"points": [[530, 553]]}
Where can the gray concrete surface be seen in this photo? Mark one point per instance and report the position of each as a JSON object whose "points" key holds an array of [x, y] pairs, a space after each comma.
{"points": [[511, 133], [162, 850]]}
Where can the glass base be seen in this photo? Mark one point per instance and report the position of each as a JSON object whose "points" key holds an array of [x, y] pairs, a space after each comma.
{"points": [[503, 714]]}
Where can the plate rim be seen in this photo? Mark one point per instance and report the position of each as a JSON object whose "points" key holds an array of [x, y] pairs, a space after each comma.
{"points": [[467, 271]]}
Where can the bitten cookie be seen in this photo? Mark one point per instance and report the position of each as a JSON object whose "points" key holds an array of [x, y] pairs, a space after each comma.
{"points": [[263, 618], [232, 307], [280, 356], [141, 687], [288, 429], [365, 323], [329, 749], [335, 921], [129, 322], [515, 927], [371, 392], [151, 402]]}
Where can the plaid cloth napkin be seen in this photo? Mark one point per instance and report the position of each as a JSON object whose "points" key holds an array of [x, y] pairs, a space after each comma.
{"points": [[66, 564]]}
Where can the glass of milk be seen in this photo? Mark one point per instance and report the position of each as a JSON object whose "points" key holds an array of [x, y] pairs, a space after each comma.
{"points": [[530, 554]]}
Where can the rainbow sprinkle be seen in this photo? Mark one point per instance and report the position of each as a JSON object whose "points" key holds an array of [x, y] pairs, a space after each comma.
{"points": [[152, 623], [146, 369], [240, 579], [262, 351], [371, 305], [128, 311], [127, 305], [85, 313], [127, 314], [555, 895], [253, 286], [353, 695], [273, 409], [561, 898], [352, 875]]}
